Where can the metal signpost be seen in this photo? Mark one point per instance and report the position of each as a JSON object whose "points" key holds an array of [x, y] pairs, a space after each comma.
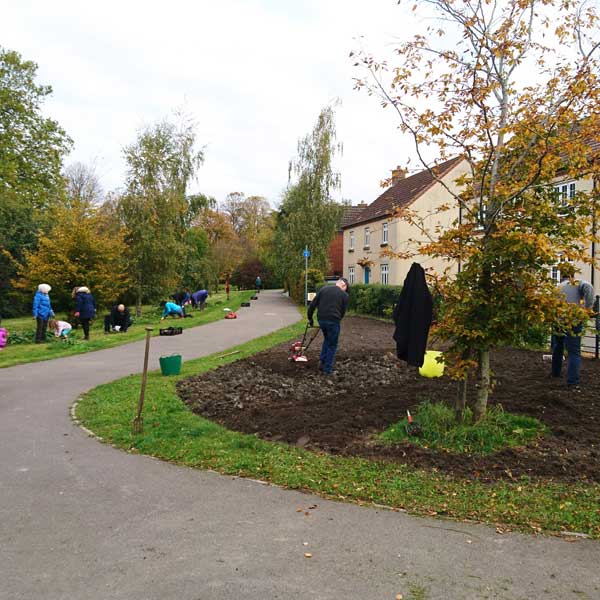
{"points": [[306, 255]]}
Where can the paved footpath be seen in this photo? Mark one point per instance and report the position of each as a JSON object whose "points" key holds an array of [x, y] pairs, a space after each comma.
{"points": [[80, 520]]}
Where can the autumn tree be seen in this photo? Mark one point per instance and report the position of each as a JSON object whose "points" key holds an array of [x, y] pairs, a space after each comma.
{"points": [[80, 249], [308, 216], [32, 147], [155, 208], [513, 87]]}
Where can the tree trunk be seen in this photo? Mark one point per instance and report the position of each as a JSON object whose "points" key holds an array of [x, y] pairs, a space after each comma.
{"points": [[138, 302], [461, 399], [483, 385]]}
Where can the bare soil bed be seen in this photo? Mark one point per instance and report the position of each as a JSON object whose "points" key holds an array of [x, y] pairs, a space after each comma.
{"points": [[279, 400]]}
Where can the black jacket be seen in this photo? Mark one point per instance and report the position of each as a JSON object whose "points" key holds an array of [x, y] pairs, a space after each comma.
{"points": [[331, 303], [122, 319], [412, 316]]}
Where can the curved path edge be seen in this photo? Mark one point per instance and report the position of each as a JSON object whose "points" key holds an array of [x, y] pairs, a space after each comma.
{"points": [[82, 520]]}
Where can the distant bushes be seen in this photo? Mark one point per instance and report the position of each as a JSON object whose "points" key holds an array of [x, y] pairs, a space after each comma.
{"points": [[374, 299]]}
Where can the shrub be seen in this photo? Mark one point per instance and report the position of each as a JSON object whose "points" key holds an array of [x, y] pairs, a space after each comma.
{"points": [[497, 430], [373, 299]]}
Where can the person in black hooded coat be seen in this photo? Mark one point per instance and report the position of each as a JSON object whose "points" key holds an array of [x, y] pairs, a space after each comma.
{"points": [[412, 315]]}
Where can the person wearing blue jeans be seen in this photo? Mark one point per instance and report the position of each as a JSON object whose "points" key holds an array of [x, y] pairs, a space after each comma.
{"points": [[330, 302], [572, 343], [580, 293]]}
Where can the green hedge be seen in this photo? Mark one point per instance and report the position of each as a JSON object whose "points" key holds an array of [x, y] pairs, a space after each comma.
{"points": [[374, 299]]}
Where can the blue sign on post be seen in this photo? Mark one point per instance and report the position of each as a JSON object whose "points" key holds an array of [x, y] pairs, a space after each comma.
{"points": [[306, 253]]}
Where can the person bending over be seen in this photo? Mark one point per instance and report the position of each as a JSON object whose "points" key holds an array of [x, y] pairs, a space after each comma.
{"points": [[330, 303], [118, 320]]}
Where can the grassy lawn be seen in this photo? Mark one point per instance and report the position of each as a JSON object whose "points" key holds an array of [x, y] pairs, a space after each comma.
{"points": [[15, 354], [173, 433]]}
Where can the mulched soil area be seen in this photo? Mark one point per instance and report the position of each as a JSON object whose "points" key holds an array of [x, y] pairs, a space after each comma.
{"points": [[341, 414]]}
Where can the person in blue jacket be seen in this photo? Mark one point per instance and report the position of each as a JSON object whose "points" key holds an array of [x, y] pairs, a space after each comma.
{"points": [[199, 299], [42, 311], [85, 309], [172, 309]]}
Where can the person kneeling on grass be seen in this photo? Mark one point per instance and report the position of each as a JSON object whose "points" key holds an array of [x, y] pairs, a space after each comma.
{"points": [[61, 329], [199, 299], [118, 320], [172, 310]]}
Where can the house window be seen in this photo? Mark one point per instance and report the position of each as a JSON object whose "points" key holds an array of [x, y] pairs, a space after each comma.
{"points": [[385, 274], [384, 232], [350, 275], [367, 238], [555, 271], [351, 247], [566, 192]]}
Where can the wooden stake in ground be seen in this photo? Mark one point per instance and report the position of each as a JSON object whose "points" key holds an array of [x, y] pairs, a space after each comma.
{"points": [[138, 422]]}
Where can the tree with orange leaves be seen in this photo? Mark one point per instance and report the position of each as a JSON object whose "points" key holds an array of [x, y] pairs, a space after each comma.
{"points": [[513, 86]]}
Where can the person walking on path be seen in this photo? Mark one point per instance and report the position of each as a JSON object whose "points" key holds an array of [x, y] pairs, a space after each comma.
{"points": [[85, 309], [579, 293], [42, 311], [331, 303], [258, 283]]}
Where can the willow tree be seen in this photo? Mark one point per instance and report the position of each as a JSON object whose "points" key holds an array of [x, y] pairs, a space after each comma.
{"points": [[308, 216], [155, 208], [513, 87]]}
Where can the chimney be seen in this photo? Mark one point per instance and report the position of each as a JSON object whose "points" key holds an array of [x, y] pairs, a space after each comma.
{"points": [[398, 174]]}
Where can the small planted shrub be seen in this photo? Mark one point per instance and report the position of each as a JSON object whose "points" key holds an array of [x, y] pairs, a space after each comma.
{"points": [[439, 430]]}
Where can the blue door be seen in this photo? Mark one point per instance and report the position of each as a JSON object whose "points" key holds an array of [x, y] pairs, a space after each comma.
{"points": [[367, 274]]}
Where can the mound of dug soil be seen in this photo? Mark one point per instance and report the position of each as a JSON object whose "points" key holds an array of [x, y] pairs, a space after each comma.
{"points": [[291, 402]]}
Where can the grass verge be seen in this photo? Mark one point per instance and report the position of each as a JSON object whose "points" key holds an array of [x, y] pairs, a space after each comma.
{"points": [[439, 430], [18, 354], [173, 433]]}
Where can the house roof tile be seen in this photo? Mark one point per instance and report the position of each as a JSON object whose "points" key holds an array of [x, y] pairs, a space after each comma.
{"points": [[402, 193]]}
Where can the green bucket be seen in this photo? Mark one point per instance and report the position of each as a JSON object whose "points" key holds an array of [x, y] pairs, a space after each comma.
{"points": [[170, 365]]}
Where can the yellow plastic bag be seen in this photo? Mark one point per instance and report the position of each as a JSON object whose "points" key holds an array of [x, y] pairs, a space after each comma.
{"points": [[431, 367]]}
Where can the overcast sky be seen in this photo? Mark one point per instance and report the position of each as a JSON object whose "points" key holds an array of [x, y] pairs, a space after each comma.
{"points": [[254, 74]]}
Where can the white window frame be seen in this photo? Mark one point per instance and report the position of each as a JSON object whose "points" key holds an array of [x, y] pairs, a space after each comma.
{"points": [[385, 233], [385, 274], [351, 244], [367, 243], [351, 275], [566, 191], [555, 271]]}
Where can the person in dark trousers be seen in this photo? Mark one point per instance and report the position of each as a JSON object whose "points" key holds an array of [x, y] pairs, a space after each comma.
{"points": [[331, 303], [42, 311], [119, 319], [182, 298], [85, 309], [258, 283], [412, 316], [575, 292]]}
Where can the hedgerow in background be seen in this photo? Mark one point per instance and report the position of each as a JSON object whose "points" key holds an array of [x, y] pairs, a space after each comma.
{"points": [[373, 299], [519, 137]]}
